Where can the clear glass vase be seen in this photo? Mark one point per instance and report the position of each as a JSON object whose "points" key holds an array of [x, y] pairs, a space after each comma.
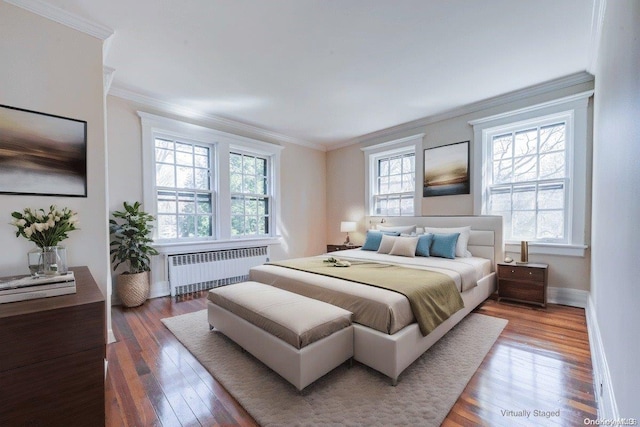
{"points": [[48, 261]]}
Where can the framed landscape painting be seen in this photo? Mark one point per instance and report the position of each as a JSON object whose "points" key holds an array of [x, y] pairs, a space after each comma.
{"points": [[42, 154], [446, 170]]}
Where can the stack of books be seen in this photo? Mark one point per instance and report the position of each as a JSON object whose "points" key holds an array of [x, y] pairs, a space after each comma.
{"points": [[20, 288]]}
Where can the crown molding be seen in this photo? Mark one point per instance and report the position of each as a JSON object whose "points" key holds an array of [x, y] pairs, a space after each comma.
{"points": [[64, 17], [215, 121], [597, 20], [539, 89]]}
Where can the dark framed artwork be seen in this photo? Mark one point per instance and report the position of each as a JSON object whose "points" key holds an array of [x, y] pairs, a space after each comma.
{"points": [[42, 154], [446, 170]]}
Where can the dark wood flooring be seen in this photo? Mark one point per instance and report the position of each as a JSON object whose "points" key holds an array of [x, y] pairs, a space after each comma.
{"points": [[541, 362]]}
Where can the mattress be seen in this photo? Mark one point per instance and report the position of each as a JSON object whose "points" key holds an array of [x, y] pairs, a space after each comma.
{"points": [[381, 309]]}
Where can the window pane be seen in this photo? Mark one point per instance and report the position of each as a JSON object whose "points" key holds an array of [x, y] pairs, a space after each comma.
{"points": [[236, 183], [395, 166], [550, 225], [201, 161], [395, 184], [237, 206], [163, 143], [406, 206], [204, 226], [237, 225], [261, 186], [249, 184], [202, 179], [408, 181], [523, 225], [383, 186], [525, 169], [552, 165], [526, 143], [167, 226], [502, 171], [204, 203], [186, 225], [263, 207], [251, 206], [167, 202], [502, 146], [184, 177], [249, 165], [524, 198], [393, 206], [552, 138], [164, 156], [235, 162], [186, 203], [263, 226], [407, 164], [499, 200], [184, 148], [261, 167], [384, 167], [165, 176], [185, 159], [551, 196]]}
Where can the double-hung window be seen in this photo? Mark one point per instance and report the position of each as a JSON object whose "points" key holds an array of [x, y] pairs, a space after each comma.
{"points": [[391, 177], [533, 173], [184, 189], [250, 195], [529, 180]]}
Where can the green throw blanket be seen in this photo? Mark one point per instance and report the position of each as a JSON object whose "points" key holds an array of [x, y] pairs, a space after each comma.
{"points": [[433, 296]]}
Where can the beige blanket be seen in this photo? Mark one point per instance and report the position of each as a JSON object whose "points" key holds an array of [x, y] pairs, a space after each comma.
{"points": [[433, 296]]}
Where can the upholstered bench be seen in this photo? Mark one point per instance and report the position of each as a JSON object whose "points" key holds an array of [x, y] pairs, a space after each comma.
{"points": [[300, 338]]}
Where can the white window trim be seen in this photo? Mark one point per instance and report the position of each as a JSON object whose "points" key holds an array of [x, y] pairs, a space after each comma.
{"points": [[223, 143], [397, 146], [575, 107]]}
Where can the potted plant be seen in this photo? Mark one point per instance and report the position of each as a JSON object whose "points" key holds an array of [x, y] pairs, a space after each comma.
{"points": [[131, 245]]}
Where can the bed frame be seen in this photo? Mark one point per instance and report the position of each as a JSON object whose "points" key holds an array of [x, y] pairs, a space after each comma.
{"points": [[392, 354]]}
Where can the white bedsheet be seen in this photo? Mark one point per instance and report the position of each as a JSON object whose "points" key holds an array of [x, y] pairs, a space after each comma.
{"points": [[465, 272]]}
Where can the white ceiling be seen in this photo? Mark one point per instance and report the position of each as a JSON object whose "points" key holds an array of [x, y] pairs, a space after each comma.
{"points": [[326, 71]]}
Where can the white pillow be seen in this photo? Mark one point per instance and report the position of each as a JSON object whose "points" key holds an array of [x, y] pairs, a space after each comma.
{"points": [[463, 240], [405, 246], [402, 229], [386, 244]]}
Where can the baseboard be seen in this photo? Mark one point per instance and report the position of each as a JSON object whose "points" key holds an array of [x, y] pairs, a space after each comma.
{"points": [[605, 398], [159, 289], [567, 296], [110, 336]]}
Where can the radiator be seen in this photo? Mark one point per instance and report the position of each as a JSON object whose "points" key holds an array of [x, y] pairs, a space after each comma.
{"points": [[206, 270]]}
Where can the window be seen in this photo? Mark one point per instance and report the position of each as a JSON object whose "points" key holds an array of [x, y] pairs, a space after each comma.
{"points": [[533, 169], [529, 181], [183, 187], [207, 189], [249, 195], [391, 177], [395, 185]]}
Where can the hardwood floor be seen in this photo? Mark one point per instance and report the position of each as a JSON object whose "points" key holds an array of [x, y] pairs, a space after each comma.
{"points": [[540, 362]]}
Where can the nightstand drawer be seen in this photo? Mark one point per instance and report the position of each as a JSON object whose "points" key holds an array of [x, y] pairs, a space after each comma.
{"points": [[521, 272], [522, 291]]}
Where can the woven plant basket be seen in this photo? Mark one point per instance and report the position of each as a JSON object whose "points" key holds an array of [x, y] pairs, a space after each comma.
{"points": [[133, 289]]}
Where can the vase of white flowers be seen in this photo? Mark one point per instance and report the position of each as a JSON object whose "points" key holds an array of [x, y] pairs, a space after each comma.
{"points": [[46, 230]]}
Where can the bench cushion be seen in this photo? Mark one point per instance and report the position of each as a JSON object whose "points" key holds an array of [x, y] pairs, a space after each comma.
{"points": [[293, 318]]}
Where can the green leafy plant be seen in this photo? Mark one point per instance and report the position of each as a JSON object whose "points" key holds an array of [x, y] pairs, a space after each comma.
{"points": [[131, 230]]}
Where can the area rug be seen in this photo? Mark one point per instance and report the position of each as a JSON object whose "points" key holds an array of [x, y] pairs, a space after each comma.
{"points": [[356, 396]]}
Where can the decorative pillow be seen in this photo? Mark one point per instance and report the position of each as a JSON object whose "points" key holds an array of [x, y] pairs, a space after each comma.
{"points": [[444, 245], [386, 244], [373, 239], [463, 240], [402, 229], [404, 246], [424, 242]]}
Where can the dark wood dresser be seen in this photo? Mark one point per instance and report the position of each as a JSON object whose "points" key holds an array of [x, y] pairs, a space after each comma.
{"points": [[523, 283], [52, 353]]}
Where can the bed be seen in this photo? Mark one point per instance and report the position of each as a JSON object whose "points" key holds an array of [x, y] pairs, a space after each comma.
{"points": [[386, 335]]}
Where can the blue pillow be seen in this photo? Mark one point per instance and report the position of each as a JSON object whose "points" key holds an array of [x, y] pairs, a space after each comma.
{"points": [[424, 242], [444, 245], [373, 239]]}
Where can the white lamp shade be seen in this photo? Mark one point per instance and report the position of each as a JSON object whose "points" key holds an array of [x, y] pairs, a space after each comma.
{"points": [[347, 226]]}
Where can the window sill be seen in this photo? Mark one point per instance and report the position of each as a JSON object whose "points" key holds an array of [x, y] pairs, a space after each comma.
{"points": [[173, 248], [548, 249]]}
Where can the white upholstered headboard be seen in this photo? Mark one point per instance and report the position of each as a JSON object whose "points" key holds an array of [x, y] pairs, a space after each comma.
{"points": [[486, 239]]}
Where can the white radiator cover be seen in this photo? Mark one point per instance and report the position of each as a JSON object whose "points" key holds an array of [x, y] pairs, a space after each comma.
{"points": [[206, 270]]}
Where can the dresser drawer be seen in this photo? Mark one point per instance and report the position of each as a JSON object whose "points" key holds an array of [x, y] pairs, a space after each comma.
{"points": [[519, 272], [521, 291]]}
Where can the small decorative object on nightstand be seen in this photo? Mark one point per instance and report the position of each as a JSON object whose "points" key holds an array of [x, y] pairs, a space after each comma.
{"points": [[523, 283], [333, 248], [346, 227]]}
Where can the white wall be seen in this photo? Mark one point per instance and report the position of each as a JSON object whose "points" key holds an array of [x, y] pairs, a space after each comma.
{"points": [[616, 202], [50, 68], [345, 184], [302, 174]]}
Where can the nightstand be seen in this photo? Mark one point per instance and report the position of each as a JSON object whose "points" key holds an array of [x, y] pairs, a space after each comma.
{"points": [[523, 282], [333, 248]]}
